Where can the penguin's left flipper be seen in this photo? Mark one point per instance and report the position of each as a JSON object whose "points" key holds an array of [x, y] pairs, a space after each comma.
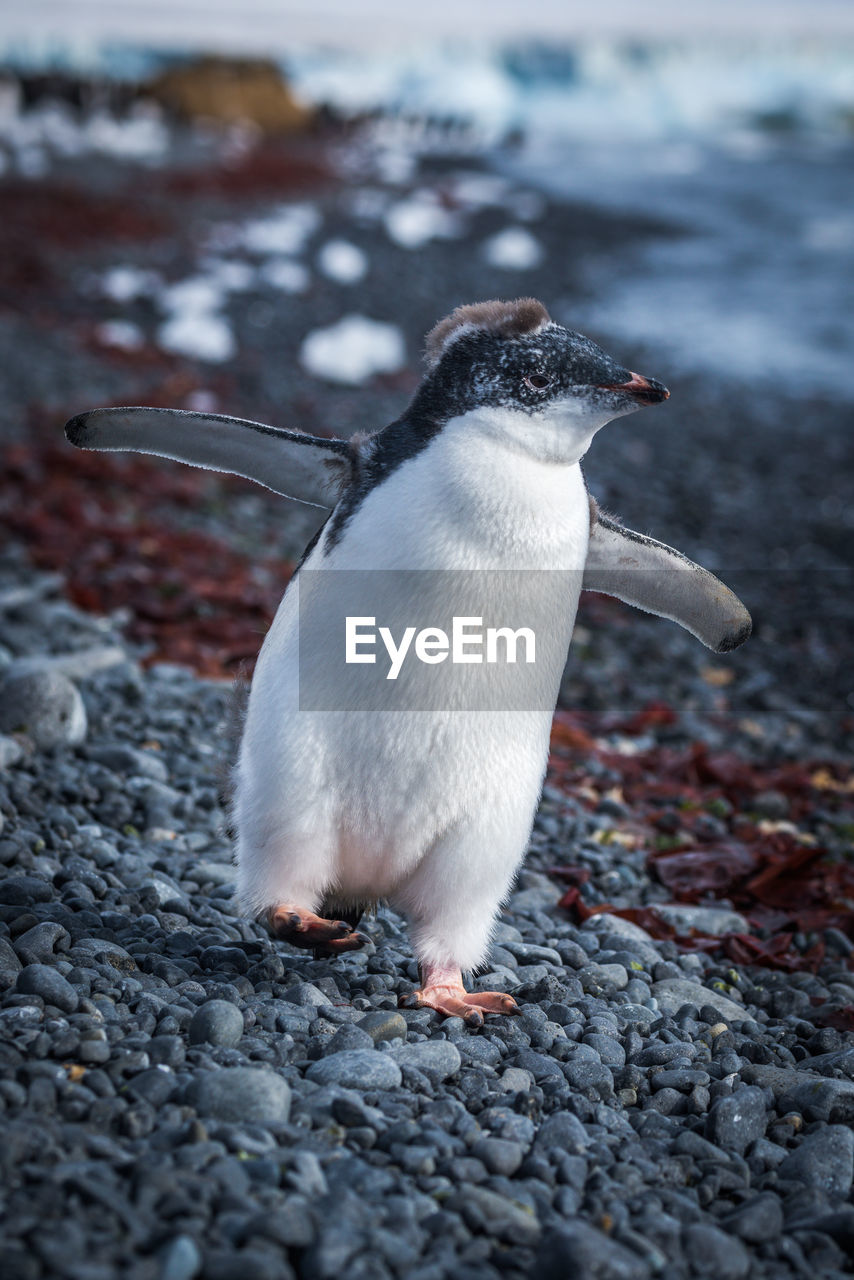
{"points": [[657, 579], [292, 463]]}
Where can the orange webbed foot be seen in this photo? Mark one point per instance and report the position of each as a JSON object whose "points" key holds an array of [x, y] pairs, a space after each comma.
{"points": [[443, 991], [305, 929]]}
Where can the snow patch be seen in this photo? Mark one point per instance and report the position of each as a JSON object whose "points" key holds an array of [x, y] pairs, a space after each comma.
{"points": [[202, 336], [195, 326], [513, 249], [123, 334], [343, 262], [415, 221], [285, 231], [285, 274], [353, 350], [126, 284]]}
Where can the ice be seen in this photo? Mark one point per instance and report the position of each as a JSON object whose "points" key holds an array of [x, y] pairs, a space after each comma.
{"points": [[420, 218], [513, 249], [284, 231], [353, 350], [605, 86], [343, 262]]}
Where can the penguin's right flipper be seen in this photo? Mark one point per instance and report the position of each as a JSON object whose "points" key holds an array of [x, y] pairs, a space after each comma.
{"points": [[657, 579], [291, 463]]}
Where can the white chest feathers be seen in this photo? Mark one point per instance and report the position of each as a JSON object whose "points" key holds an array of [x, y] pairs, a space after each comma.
{"points": [[469, 500]]}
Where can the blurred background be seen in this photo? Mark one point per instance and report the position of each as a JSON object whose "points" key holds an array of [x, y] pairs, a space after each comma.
{"points": [[260, 208]]}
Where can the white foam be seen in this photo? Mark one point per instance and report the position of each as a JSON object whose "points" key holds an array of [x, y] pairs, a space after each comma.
{"points": [[513, 249], [353, 350], [342, 261]]}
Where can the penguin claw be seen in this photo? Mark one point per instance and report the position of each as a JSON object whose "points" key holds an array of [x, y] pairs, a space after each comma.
{"points": [[456, 1002], [305, 929]]}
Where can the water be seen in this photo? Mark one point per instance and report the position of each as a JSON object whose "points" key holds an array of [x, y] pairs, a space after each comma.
{"points": [[756, 283]]}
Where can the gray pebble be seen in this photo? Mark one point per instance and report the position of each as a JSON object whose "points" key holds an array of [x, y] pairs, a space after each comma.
{"points": [[46, 706], [216, 1022], [436, 1059], [498, 1155], [593, 1255], [757, 1220], [45, 981], [357, 1069], [39, 943], [384, 1024], [241, 1095], [712, 1252], [825, 1159], [11, 752], [182, 1260], [737, 1121], [349, 1036], [672, 993]]}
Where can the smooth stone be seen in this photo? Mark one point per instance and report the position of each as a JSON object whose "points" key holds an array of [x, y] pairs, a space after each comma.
{"points": [[735, 1122], [349, 1036], [47, 982], [497, 1216], [684, 918], [604, 923], [825, 1159], [213, 873], [758, 1221], [384, 1024], [242, 1095], [357, 1069], [46, 706], [437, 1059], [591, 1254], [815, 1097], [711, 1252], [672, 993], [604, 975], [516, 1080], [79, 664], [498, 1155], [11, 751], [125, 759], [216, 1022], [562, 1131], [37, 944], [182, 1260]]}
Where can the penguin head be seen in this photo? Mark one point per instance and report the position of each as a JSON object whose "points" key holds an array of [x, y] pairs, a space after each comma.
{"points": [[507, 370]]}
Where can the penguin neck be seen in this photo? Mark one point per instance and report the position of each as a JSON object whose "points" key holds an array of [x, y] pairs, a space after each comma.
{"points": [[498, 493]]}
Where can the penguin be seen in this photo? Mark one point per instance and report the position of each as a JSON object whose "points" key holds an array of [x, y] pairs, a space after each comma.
{"points": [[417, 797]]}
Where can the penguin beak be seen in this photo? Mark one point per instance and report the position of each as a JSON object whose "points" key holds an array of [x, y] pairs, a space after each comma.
{"points": [[644, 390]]}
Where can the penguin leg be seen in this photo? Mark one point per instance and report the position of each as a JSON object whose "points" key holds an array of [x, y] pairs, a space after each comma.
{"points": [[303, 928], [442, 989], [452, 899]]}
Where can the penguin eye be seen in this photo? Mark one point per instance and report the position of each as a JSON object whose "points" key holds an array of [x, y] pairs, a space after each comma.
{"points": [[538, 381]]}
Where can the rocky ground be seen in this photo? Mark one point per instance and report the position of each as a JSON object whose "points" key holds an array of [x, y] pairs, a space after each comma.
{"points": [[184, 1097]]}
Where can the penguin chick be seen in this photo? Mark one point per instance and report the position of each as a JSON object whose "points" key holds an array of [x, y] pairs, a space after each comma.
{"points": [[426, 804]]}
